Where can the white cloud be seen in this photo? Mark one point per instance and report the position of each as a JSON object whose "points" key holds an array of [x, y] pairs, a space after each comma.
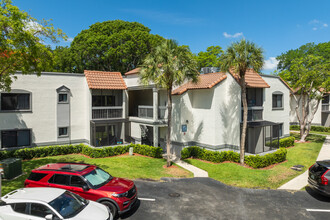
{"points": [[232, 36], [270, 64], [317, 24], [70, 39], [32, 26]]}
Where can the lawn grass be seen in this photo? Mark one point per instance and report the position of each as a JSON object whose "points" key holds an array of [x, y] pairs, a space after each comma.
{"points": [[313, 132], [233, 174], [130, 167]]}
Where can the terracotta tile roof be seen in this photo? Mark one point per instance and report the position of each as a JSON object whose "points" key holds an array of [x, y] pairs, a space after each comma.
{"points": [[205, 81], [134, 71], [252, 79], [104, 80]]}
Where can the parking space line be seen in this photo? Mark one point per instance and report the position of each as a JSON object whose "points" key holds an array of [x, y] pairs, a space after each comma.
{"points": [[147, 199], [318, 210]]}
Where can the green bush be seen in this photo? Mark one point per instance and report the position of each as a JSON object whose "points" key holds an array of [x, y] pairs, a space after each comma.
{"points": [[287, 142], [37, 152], [313, 128], [254, 161]]}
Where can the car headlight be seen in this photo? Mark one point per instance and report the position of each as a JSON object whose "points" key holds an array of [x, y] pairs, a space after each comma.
{"points": [[119, 195]]}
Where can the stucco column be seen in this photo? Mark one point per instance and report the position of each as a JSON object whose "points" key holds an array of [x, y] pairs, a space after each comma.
{"points": [[155, 104], [155, 130], [125, 104]]}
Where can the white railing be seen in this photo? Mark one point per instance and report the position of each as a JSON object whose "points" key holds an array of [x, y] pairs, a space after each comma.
{"points": [[107, 112], [147, 111]]}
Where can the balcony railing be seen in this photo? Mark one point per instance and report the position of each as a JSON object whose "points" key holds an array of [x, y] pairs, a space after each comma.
{"points": [[147, 111], [254, 113], [325, 107], [107, 112]]}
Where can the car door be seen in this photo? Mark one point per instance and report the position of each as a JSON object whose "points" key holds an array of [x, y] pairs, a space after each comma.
{"points": [[15, 211], [39, 211], [59, 181], [76, 186]]}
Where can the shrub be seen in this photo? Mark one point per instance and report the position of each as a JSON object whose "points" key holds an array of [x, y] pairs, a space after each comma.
{"points": [[255, 161], [287, 142], [313, 128], [37, 152]]}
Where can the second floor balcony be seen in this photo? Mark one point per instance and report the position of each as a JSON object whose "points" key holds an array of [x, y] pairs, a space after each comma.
{"points": [[254, 113], [107, 112], [145, 111]]}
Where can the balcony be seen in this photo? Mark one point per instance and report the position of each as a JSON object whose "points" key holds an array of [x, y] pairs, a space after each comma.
{"points": [[107, 112], [146, 111], [325, 107], [254, 113]]}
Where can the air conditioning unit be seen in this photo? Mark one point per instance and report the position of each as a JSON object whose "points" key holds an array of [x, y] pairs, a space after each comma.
{"points": [[12, 167]]}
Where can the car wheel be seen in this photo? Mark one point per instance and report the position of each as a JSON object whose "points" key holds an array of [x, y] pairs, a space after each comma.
{"points": [[112, 207]]}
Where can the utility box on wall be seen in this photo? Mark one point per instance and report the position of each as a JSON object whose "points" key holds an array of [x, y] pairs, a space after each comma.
{"points": [[12, 167]]}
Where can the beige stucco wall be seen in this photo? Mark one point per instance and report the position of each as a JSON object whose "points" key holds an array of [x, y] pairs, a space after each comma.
{"points": [[42, 119]]}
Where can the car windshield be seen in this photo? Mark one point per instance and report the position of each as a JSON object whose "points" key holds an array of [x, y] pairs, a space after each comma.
{"points": [[97, 177], [68, 204]]}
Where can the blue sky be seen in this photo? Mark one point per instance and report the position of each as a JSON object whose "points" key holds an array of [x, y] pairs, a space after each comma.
{"points": [[276, 26]]}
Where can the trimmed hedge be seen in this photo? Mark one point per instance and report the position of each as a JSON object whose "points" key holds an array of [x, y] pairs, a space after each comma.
{"points": [[37, 152], [287, 142], [313, 128], [254, 161]]}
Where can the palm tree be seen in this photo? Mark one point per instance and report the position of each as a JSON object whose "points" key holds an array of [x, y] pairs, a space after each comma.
{"points": [[166, 66], [239, 57]]}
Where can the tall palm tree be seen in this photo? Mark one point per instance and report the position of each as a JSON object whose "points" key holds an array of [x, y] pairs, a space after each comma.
{"points": [[166, 66], [239, 57]]}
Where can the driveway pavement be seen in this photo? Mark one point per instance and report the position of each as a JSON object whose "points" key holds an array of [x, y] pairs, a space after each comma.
{"points": [[205, 198]]}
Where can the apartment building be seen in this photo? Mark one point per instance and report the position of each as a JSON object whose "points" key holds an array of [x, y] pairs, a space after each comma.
{"points": [[106, 108]]}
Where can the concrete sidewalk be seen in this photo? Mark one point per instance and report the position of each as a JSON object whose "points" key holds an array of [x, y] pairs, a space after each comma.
{"points": [[301, 181], [196, 171]]}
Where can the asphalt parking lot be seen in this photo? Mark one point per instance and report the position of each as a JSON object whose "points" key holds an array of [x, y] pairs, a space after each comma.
{"points": [[205, 198]]}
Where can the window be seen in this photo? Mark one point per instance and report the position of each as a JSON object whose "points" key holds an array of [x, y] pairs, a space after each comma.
{"points": [[103, 100], [15, 138], [36, 176], [63, 132], [59, 179], [15, 101], [20, 207], [77, 181], [40, 210], [277, 100], [62, 98]]}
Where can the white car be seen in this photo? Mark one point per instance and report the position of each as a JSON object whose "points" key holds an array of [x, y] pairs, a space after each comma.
{"points": [[50, 204]]}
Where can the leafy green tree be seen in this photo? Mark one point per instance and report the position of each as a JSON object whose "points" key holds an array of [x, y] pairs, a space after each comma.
{"points": [[167, 66], [286, 59], [239, 57], [112, 46], [210, 58], [309, 76], [21, 43], [63, 60]]}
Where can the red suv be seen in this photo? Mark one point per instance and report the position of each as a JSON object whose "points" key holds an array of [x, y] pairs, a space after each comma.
{"points": [[88, 181]]}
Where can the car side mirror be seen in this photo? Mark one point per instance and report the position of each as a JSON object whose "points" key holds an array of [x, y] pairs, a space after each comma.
{"points": [[49, 217], [85, 188]]}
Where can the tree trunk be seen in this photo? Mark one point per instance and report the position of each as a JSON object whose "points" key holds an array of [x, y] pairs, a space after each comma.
{"points": [[245, 112], [169, 120], [303, 119]]}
